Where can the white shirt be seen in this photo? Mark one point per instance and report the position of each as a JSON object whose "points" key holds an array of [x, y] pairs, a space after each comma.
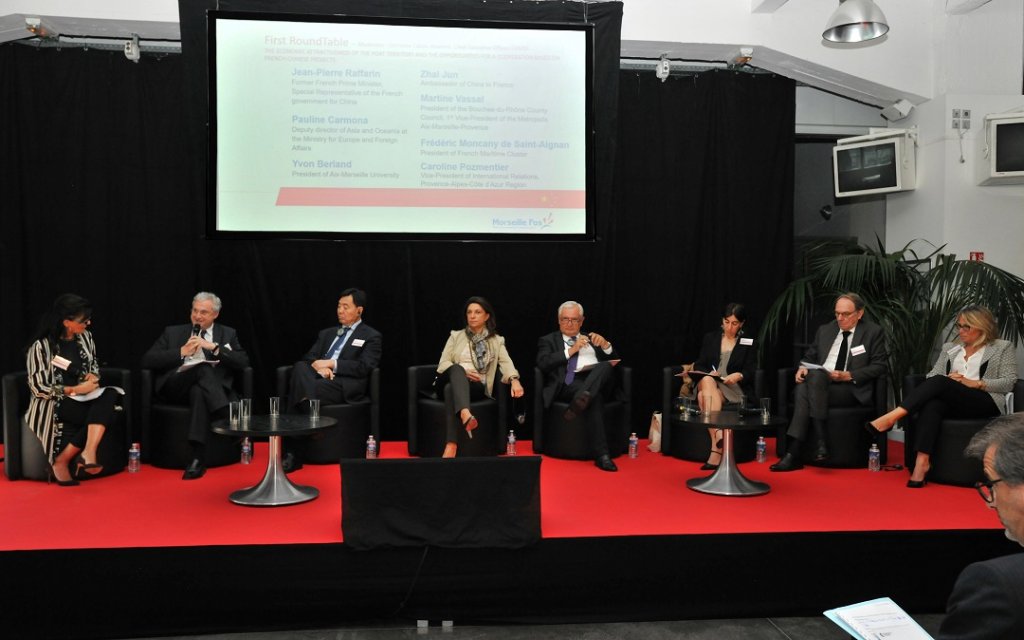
{"points": [[969, 367], [587, 357], [833, 353], [200, 355]]}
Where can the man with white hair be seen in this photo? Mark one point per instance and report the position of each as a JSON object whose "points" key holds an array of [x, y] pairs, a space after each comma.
{"points": [[577, 370], [987, 602], [195, 365]]}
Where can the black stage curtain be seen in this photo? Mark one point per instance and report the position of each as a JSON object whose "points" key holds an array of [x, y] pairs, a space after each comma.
{"points": [[103, 190]]}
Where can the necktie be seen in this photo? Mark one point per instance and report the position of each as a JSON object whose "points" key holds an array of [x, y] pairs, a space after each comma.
{"points": [[570, 366], [844, 347], [336, 344]]}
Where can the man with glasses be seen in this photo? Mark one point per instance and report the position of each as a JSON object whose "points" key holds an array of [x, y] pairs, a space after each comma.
{"points": [[839, 368], [195, 365], [988, 598], [577, 369]]}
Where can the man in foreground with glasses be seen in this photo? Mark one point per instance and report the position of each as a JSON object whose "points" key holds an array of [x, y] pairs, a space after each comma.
{"points": [[577, 369], [838, 369], [988, 598]]}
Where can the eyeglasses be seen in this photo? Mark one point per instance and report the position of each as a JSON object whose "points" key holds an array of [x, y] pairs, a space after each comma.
{"points": [[80, 320], [986, 489], [963, 327], [844, 314], [570, 320]]}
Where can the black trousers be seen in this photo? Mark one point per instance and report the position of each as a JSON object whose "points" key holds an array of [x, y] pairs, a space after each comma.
{"points": [[940, 397], [307, 384], [77, 416], [812, 399], [599, 382], [202, 389], [464, 391]]}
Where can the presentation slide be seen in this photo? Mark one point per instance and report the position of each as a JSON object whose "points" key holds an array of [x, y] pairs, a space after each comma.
{"points": [[369, 128]]}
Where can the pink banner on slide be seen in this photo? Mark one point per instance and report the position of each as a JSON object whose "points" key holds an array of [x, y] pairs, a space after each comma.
{"points": [[477, 198]]}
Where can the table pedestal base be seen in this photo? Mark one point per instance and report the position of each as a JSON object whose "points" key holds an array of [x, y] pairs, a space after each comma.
{"points": [[727, 479], [275, 489]]}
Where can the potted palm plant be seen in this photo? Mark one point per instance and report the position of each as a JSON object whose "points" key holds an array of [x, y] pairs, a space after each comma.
{"points": [[913, 296]]}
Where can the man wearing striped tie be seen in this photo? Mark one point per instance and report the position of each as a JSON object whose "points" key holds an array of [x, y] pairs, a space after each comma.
{"points": [[195, 365], [337, 368]]}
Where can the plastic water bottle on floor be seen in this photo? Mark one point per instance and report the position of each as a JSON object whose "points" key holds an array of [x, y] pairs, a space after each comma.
{"points": [[634, 445], [134, 457], [874, 458], [246, 450], [371, 448], [510, 448], [762, 450]]}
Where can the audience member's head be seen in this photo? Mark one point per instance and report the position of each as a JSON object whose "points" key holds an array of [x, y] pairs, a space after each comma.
{"points": [[1000, 447]]}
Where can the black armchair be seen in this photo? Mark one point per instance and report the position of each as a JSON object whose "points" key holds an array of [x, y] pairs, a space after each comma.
{"points": [[555, 437], [24, 457], [429, 417], [848, 442], [949, 465], [165, 428], [356, 422]]}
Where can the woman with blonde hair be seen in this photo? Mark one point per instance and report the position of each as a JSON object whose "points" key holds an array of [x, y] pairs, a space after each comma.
{"points": [[969, 380]]}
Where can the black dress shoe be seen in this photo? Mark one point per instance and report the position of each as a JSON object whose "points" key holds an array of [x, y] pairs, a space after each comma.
{"points": [[290, 463], [579, 405], [788, 463], [195, 470], [707, 466], [821, 452], [604, 463]]}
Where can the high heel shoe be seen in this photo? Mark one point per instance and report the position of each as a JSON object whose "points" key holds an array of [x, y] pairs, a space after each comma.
{"points": [[83, 468], [870, 428], [707, 466], [916, 484], [470, 423], [52, 477], [718, 443]]}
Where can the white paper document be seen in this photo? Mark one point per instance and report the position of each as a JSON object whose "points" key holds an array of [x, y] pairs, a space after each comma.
{"points": [[810, 366], [95, 393], [879, 619]]}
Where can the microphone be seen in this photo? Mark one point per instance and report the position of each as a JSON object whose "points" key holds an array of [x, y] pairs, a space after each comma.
{"points": [[196, 329]]}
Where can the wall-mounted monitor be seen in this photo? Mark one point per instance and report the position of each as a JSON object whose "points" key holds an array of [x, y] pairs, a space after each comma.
{"points": [[1001, 158], [384, 128], [877, 163]]}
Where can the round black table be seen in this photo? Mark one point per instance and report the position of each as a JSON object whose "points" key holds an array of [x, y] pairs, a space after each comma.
{"points": [[275, 489], [727, 479]]}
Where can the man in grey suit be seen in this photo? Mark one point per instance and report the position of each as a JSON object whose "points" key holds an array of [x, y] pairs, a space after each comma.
{"points": [[851, 354], [195, 365], [987, 602]]}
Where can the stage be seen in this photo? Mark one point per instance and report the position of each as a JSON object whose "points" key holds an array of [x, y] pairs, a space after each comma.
{"points": [[147, 553]]}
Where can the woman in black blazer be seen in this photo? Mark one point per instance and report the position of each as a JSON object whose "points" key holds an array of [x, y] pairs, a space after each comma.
{"points": [[731, 357]]}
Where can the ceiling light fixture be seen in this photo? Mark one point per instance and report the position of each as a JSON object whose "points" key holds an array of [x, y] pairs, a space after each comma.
{"points": [[855, 21]]}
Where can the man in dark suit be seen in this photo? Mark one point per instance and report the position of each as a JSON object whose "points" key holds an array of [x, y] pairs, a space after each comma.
{"points": [[987, 602], [577, 369], [851, 355], [195, 365], [337, 368]]}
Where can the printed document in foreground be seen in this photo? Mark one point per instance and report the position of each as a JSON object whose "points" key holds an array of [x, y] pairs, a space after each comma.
{"points": [[879, 619]]}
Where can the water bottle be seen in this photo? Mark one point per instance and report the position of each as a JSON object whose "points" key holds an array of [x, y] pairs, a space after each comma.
{"points": [[246, 450], [634, 445], [762, 450], [371, 448], [874, 458], [134, 457], [510, 448]]}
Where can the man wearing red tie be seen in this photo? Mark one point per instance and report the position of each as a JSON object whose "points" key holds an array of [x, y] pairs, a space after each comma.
{"points": [[337, 368], [850, 355]]}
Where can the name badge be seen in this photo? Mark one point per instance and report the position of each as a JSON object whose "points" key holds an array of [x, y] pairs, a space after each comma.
{"points": [[747, 341], [358, 342], [858, 350]]}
